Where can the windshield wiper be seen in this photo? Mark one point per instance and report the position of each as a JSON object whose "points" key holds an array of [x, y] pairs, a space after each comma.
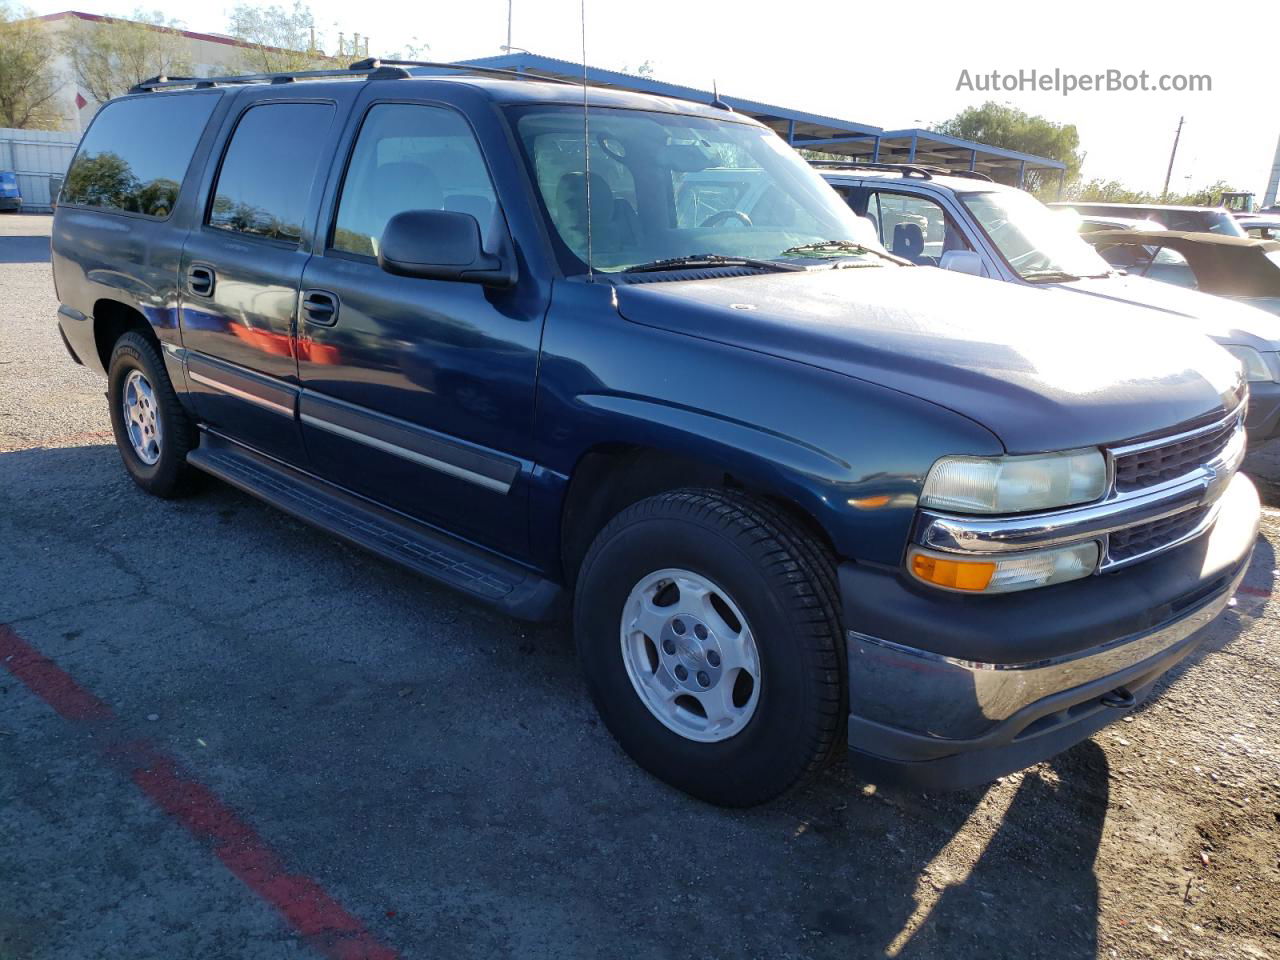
{"points": [[844, 246], [1049, 276], [697, 260]]}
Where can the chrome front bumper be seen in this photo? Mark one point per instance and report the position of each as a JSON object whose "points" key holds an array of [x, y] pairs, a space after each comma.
{"points": [[921, 693]]}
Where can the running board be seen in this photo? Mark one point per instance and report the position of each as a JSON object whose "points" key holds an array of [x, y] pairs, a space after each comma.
{"points": [[392, 536]]}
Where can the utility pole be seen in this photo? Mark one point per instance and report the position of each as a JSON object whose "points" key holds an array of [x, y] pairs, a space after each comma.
{"points": [[1172, 153]]}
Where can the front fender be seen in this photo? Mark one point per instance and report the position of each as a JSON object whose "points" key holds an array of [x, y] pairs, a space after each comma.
{"points": [[852, 454]]}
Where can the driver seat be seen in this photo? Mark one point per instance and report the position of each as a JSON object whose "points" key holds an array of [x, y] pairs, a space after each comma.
{"points": [[613, 221], [908, 241]]}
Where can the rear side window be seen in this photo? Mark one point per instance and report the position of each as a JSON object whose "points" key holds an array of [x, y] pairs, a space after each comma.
{"points": [[136, 153], [265, 180]]}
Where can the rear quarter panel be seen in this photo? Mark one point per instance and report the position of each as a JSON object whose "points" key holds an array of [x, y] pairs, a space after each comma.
{"points": [[105, 256], [124, 257]]}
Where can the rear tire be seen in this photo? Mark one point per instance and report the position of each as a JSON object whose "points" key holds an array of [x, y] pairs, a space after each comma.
{"points": [[761, 701], [152, 430]]}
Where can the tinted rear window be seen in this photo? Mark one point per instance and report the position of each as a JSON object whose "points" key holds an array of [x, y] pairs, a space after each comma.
{"points": [[265, 180], [136, 153]]}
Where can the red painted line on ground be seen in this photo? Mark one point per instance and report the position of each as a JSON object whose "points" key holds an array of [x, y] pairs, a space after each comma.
{"points": [[319, 919], [47, 681], [1253, 591]]}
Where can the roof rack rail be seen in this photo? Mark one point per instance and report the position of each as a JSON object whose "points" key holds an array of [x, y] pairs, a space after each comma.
{"points": [[372, 68], [910, 169], [163, 82], [921, 171], [373, 63]]}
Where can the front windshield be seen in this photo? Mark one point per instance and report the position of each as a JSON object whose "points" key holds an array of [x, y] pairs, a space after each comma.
{"points": [[1037, 242], [669, 186]]}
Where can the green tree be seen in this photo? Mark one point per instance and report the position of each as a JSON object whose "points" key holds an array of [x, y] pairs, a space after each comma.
{"points": [[109, 56], [1098, 190], [1002, 125], [413, 49], [28, 86], [102, 180], [1209, 196], [157, 197], [280, 40]]}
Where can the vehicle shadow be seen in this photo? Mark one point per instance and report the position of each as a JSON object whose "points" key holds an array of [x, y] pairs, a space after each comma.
{"points": [[1005, 871], [24, 249]]}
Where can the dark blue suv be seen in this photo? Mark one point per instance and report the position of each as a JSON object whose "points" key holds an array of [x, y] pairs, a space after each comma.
{"points": [[795, 492]]}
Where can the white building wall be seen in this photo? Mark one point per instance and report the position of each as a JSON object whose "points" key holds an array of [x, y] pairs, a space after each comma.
{"points": [[206, 54], [38, 155]]}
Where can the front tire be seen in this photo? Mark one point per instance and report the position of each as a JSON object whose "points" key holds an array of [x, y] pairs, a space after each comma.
{"points": [[708, 627], [152, 430]]}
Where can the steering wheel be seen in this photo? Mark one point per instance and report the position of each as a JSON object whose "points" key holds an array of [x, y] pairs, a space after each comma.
{"points": [[721, 216]]}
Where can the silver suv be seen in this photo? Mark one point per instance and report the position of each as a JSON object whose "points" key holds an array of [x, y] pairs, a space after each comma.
{"points": [[968, 224]]}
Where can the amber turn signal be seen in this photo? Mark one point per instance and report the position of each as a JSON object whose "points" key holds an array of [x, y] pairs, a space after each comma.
{"points": [[955, 574]]}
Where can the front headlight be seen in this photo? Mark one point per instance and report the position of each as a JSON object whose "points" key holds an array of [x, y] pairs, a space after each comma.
{"points": [[1015, 484], [1255, 367]]}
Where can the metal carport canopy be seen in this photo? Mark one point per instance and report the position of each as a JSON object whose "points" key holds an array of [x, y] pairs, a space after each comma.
{"points": [[930, 148], [811, 131], [787, 123]]}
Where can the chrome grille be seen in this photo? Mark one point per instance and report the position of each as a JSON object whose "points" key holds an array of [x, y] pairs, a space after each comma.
{"points": [[1137, 541], [1156, 464]]}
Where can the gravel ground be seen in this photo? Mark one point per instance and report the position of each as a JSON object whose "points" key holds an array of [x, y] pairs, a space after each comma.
{"points": [[437, 771]]}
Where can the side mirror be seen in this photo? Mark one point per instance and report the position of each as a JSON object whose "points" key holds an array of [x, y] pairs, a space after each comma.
{"points": [[442, 245], [963, 261]]}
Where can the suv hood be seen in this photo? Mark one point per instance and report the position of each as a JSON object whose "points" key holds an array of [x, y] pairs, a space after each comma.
{"points": [[1043, 371], [1226, 321]]}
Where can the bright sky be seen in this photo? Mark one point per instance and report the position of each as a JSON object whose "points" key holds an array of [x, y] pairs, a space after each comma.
{"points": [[892, 65]]}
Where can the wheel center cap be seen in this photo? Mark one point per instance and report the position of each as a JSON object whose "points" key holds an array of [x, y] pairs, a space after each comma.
{"points": [[691, 652]]}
